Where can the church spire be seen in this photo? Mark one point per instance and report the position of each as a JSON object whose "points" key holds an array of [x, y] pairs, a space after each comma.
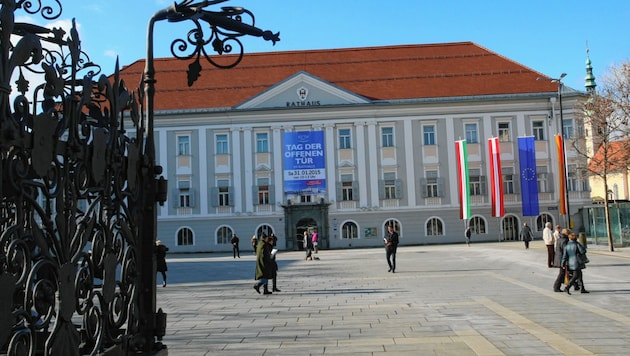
{"points": [[589, 80]]}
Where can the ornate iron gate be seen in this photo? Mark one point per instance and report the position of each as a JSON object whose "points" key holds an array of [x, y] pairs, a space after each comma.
{"points": [[79, 189]]}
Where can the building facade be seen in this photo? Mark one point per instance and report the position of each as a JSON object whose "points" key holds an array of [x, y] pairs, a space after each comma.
{"points": [[384, 121]]}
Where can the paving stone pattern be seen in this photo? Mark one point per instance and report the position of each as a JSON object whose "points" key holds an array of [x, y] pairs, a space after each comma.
{"points": [[487, 299]]}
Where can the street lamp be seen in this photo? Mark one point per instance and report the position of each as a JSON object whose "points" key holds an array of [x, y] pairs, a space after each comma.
{"points": [[564, 155], [226, 26]]}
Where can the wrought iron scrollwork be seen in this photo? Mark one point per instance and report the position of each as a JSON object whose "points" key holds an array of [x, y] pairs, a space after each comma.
{"points": [[69, 173]]}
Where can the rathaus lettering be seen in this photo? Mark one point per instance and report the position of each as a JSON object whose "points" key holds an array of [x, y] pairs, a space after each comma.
{"points": [[303, 103]]}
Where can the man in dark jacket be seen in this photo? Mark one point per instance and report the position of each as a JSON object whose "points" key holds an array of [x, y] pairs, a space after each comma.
{"points": [[560, 244], [264, 264], [391, 244]]}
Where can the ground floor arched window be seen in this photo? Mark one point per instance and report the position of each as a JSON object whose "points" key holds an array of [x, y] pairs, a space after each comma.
{"points": [[434, 227], [185, 237], [542, 220], [224, 235], [349, 230], [478, 225]]}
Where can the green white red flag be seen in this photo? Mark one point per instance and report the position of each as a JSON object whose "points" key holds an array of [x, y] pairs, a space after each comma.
{"points": [[462, 179]]}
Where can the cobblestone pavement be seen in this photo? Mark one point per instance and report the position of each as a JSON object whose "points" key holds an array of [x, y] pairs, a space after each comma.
{"points": [[487, 299]]}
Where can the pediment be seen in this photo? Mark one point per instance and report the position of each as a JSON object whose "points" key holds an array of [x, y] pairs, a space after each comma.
{"points": [[302, 90]]}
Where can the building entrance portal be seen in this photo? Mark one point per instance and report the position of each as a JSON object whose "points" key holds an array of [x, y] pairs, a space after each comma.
{"points": [[306, 217]]}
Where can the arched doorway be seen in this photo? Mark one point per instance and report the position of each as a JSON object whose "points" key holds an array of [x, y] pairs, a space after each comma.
{"points": [[307, 224], [510, 228]]}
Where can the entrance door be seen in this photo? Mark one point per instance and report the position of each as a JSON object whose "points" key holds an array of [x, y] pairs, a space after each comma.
{"points": [[510, 228], [305, 225]]}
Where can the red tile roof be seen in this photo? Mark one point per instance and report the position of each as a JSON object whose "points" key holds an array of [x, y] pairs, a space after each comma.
{"points": [[614, 157], [378, 73]]}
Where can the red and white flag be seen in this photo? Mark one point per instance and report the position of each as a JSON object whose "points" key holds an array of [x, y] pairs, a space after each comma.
{"points": [[496, 178]]}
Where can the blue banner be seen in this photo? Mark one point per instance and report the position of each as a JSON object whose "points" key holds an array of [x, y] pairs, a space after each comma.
{"points": [[304, 162], [529, 178]]}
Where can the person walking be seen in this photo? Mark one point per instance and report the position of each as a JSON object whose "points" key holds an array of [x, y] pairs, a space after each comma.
{"points": [[391, 245], [550, 243], [314, 241], [160, 259], [274, 253], [468, 234], [264, 265], [308, 246], [561, 242], [526, 235], [254, 243], [572, 263], [235, 249]]}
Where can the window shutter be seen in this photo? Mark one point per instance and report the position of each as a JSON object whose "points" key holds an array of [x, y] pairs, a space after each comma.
{"points": [[193, 195], [381, 189], [355, 190], [272, 194], [255, 195], [339, 190], [230, 191], [550, 183], [175, 200], [423, 187], [214, 197], [483, 185], [440, 186], [398, 185]]}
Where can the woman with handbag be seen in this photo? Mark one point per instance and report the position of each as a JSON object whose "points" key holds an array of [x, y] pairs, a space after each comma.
{"points": [[571, 260]]}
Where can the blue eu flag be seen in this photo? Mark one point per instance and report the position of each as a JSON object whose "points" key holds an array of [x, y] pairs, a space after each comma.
{"points": [[529, 182]]}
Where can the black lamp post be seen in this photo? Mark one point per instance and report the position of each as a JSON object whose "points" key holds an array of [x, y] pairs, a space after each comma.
{"points": [[225, 26], [564, 155]]}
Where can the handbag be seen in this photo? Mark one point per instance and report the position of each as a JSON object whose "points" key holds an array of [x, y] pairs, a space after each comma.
{"points": [[566, 276], [582, 259]]}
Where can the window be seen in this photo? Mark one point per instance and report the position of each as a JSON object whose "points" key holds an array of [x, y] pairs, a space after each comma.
{"points": [[184, 237], [432, 187], [222, 144], [390, 185], [224, 235], [478, 225], [387, 134], [428, 135], [434, 227], [508, 180], [542, 220], [545, 185], [262, 142], [264, 230], [567, 128], [347, 187], [504, 132], [263, 191], [184, 199], [344, 139], [224, 192], [395, 224], [476, 182], [572, 178], [349, 230], [472, 135], [184, 194], [538, 130], [183, 145]]}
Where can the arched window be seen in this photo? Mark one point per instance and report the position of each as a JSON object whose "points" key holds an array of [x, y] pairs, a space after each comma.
{"points": [[478, 225], [264, 230], [395, 223], [543, 219], [349, 230], [224, 235], [185, 237], [435, 227]]}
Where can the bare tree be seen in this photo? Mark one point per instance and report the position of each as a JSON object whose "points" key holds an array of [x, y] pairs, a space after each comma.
{"points": [[605, 117]]}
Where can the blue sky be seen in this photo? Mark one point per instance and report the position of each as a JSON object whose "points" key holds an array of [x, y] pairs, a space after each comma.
{"points": [[548, 36]]}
